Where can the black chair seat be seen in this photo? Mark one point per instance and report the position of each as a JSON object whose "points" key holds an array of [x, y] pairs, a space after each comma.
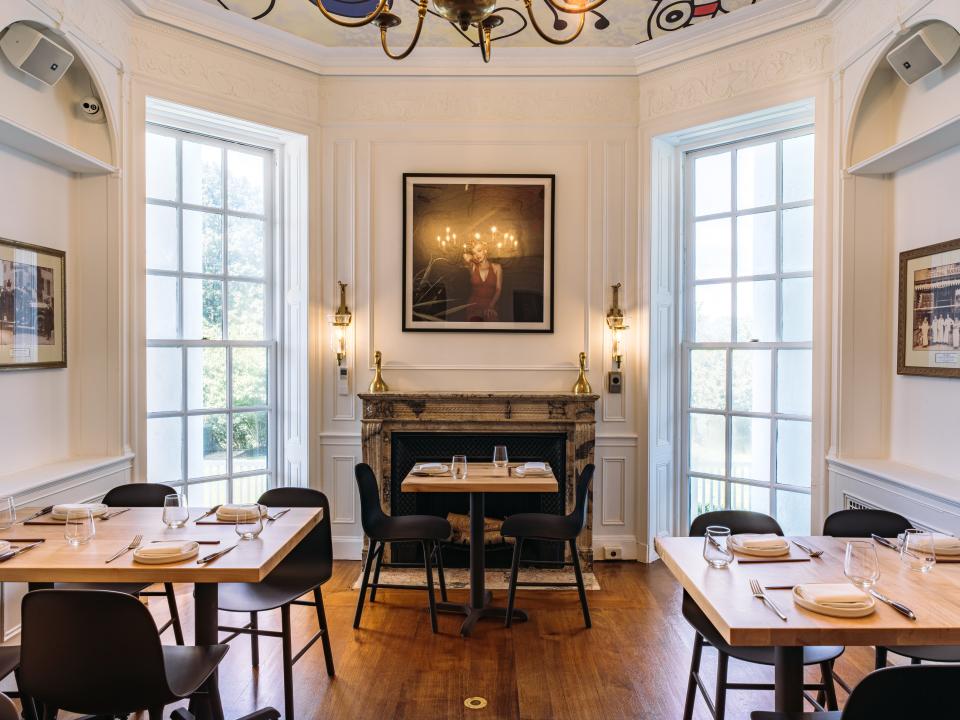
{"points": [[9, 659], [410, 527], [125, 588], [188, 667], [262, 596], [932, 653], [540, 526], [766, 715]]}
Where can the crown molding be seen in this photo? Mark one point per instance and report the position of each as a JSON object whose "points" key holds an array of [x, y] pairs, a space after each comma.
{"points": [[233, 29]]}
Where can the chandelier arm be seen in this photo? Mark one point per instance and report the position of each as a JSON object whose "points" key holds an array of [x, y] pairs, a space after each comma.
{"points": [[563, 7], [365, 20], [255, 17], [485, 44], [581, 21], [421, 14]]}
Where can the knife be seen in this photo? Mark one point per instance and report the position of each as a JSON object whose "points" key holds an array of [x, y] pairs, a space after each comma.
{"points": [[115, 513], [13, 553], [213, 556], [209, 512], [900, 608], [886, 543], [39, 513]]}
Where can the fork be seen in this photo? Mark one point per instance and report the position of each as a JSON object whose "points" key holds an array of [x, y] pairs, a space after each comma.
{"points": [[278, 515], [757, 591], [808, 550], [115, 513], [134, 544]]}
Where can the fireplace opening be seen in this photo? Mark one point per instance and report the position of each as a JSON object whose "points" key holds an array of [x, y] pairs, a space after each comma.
{"points": [[410, 448]]}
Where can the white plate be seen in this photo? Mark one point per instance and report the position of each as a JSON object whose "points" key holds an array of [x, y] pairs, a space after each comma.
{"points": [[442, 470], [520, 472], [758, 552], [834, 611], [166, 559]]}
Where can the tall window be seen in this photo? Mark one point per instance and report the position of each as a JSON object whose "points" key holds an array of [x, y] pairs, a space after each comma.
{"points": [[211, 351], [748, 327]]}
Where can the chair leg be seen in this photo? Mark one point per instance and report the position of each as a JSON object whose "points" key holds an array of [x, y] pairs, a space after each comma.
{"points": [[443, 580], [363, 585], [915, 661], [692, 682], [376, 573], [174, 613], [428, 565], [155, 713], [829, 689], [28, 708], [514, 571], [254, 641], [575, 556], [325, 638], [720, 701], [287, 662], [880, 659]]}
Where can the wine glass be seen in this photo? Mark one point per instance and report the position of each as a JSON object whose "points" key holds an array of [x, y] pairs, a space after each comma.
{"points": [[175, 511], [860, 564], [249, 521], [458, 467], [500, 456], [715, 550], [79, 528], [917, 550], [8, 513]]}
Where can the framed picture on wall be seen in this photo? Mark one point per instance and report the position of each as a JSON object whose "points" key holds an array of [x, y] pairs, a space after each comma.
{"points": [[929, 325], [478, 253], [33, 320]]}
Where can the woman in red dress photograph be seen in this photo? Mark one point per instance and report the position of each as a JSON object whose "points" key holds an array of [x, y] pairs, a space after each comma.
{"points": [[486, 284]]}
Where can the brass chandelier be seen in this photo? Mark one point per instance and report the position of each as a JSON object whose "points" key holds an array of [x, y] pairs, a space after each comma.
{"points": [[469, 17]]}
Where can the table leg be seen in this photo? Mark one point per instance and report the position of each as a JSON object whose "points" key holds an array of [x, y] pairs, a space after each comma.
{"points": [[788, 679], [206, 620]]}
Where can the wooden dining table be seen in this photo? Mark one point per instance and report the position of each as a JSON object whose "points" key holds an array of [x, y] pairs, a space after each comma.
{"points": [[251, 561], [742, 620], [481, 478]]}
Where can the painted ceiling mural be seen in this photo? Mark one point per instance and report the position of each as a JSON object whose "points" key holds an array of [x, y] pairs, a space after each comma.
{"points": [[617, 23]]}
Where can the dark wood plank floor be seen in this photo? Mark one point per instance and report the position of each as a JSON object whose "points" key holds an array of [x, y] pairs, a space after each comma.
{"points": [[632, 664]]}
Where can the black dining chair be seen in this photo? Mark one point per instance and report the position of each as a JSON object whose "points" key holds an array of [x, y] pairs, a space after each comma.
{"points": [[138, 495], [98, 652], [863, 524], [428, 530], [308, 566], [898, 693], [556, 528], [743, 521]]}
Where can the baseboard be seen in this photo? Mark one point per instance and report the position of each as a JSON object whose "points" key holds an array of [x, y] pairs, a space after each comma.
{"points": [[347, 548], [627, 542]]}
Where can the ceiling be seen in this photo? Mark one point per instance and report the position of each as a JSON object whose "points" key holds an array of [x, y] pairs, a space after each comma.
{"points": [[630, 21]]}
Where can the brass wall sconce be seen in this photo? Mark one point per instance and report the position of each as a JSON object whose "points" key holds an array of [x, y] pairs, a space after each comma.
{"points": [[341, 320], [615, 322]]}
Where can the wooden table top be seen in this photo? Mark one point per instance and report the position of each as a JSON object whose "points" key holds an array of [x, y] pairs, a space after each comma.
{"points": [[724, 595], [481, 477], [56, 561]]}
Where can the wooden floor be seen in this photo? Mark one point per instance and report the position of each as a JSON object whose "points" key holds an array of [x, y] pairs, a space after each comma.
{"points": [[632, 664]]}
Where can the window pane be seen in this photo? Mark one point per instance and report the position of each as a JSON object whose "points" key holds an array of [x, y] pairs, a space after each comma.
{"points": [[161, 154], [244, 181], [164, 379], [757, 176], [798, 240], [751, 380], [798, 310], [793, 512], [757, 311], [757, 244], [246, 247], [706, 495], [708, 451], [208, 494], [164, 449], [246, 316], [749, 497], [712, 180], [712, 318], [795, 382], [793, 452], [206, 378], [202, 174], [161, 307], [249, 376], [249, 441], [798, 168], [202, 309], [202, 242], [708, 379], [206, 445], [751, 448], [249, 489], [162, 238]]}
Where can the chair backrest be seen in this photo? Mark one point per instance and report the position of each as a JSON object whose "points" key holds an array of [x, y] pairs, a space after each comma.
{"points": [[864, 523], [318, 544], [739, 521], [908, 691], [91, 651], [371, 514], [137, 495], [583, 492]]}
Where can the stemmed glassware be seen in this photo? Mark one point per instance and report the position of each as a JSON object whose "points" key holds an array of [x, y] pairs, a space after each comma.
{"points": [[79, 528], [715, 550], [860, 564], [249, 521], [917, 550], [175, 511]]}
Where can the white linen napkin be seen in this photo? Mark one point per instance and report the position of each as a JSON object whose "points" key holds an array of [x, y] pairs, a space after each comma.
{"points": [[942, 544], [232, 513], [836, 595], [752, 541], [59, 512], [4, 546], [165, 549], [534, 467], [428, 467]]}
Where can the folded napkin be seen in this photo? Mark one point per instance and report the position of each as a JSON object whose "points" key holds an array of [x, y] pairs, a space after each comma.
{"points": [[942, 544], [4, 546], [835, 595], [428, 466], [166, 549], [751, 541], [232, 513], [60, 511], [534, 467]]}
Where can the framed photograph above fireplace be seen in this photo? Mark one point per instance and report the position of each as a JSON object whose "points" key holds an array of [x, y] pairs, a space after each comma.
{"points": [[478, 253], [929, 324], [33, 320]]}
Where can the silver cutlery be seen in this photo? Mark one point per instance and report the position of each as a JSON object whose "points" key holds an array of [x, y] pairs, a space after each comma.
{"points": [[213, 556], [899, 607], [779, 587], [209, 512], [278, 515], [13, 552], [39, 513], [198, 542], [115, 513], [134, 544], [886, 543], [758, 593], [808, 550]]}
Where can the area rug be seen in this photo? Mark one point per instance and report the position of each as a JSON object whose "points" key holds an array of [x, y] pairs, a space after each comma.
{"points": [[459, 578]]}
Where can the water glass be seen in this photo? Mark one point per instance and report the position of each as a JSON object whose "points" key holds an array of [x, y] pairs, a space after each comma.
{"points": [[917, 550], [458, 467], [500, 456], [249, 521], [715, 550], [175, 511], [860, 564], [8, 513], [79, 528]]}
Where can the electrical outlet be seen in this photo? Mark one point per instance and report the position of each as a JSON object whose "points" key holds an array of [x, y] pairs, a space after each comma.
{"points": [[612, 552]]}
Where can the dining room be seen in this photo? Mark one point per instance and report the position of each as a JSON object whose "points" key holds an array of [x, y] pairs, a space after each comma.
{"points": [[505, 359]]}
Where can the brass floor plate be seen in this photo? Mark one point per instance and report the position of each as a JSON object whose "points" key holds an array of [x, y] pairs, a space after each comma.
{"points": [[475, 703]]}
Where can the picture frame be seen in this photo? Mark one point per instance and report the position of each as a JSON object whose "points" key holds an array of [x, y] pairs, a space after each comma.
{"points": [[33, 302], [928, 327], [478, 252]]}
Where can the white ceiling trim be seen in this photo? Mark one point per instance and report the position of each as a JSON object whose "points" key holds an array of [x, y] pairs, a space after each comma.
{"points": [[233, 29]]}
